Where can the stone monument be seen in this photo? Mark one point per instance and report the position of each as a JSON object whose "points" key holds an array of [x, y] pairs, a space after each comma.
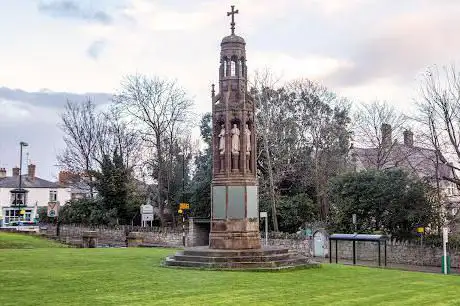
{"points": [[235, 215], [234, 239]]}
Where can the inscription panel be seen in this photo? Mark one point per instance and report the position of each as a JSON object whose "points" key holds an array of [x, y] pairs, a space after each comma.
{"points": [[218, 202], [253, 201], [236, 205]]}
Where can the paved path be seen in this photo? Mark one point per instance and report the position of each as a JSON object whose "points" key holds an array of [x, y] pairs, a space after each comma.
{"points": [[427, 269]]}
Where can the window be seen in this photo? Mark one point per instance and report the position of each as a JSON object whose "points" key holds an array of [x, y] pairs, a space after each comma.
{"points": [[17, 199], [53, 195], [13, 215]]}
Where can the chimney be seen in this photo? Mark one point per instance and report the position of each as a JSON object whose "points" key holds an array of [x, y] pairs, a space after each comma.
{"points": [[31, 172], [15, 171], [2, 172], [386, 135], [408, 138], [64, 177]]}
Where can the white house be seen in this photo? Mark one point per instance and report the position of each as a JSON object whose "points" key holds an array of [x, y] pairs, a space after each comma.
{"points": [[34, 192]]}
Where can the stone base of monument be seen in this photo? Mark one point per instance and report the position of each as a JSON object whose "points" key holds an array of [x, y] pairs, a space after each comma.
{"points": [[263, 259]]}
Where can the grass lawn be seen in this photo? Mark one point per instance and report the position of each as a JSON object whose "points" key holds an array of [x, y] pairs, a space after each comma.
{"points": [[23, 241], [67, 276]]}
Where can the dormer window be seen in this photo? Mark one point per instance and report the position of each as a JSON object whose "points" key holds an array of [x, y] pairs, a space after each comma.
{"points": [[18, 197]]}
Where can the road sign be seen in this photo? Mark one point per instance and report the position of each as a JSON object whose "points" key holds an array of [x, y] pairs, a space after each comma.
{"points": [[146, 209], [445, 234], [147, 217], [263, 214], [183, 206], [53, 209]]}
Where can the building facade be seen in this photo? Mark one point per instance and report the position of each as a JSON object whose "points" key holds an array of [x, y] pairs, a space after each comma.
{"points": [[21, 204], [424, 163]]}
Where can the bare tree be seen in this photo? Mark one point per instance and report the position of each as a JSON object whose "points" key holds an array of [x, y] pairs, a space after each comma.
{"points": [[374, 125], [439, 114], [80, 125], [440, 104], [118, 133], [161, 111], [322, 120], [263, 85]]}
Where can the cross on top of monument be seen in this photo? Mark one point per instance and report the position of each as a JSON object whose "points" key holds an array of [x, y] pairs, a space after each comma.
{"points": [[233, 12]]}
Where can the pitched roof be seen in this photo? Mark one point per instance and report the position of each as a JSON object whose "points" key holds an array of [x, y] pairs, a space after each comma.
{"points": [[13, 182], [418, 160]]}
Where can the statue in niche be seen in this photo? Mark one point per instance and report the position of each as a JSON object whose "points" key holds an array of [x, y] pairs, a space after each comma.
{"points": [[222, 140], [235, 139], [247, 134]]}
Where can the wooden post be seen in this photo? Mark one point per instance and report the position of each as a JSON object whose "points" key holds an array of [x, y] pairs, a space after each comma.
{"points": [[330, 250], [385, 253], [336, 253]]}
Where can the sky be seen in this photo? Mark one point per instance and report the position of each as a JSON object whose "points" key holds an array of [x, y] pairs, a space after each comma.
{"points": [[54, 50]]}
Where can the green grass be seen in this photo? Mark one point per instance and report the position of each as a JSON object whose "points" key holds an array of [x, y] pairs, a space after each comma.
{"points": [[66, 276], [24, 241]]}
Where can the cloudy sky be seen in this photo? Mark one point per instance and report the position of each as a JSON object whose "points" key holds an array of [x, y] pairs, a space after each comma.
{"points": [[53, 50]]}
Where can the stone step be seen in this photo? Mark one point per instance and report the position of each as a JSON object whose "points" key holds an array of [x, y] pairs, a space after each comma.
{"points": [[274, 257], [264, 259], [170, 261], [234, 253]]}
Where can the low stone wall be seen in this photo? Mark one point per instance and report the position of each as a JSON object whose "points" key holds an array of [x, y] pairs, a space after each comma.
{"points": [[301, 246], [113, 236], [397, 252]]}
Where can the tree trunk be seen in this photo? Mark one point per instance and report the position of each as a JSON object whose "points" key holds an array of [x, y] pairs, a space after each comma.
{"points": [[161, 204], [271, 186]]}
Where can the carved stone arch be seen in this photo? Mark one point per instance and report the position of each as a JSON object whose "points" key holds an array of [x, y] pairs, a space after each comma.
{"points": [[235, 120], [234, 65], [250, 117], [219, 120], [224, 66], [242, 62]]}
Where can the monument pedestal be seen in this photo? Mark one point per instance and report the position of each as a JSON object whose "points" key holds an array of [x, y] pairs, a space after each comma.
{"points": [[262, 259], [234, 234]]}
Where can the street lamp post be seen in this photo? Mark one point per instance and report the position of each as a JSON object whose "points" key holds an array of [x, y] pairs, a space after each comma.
{"points": [[21, 144], [183, 197]]}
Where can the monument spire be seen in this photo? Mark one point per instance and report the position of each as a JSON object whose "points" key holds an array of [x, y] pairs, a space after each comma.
{"points": [[232, 24]]}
